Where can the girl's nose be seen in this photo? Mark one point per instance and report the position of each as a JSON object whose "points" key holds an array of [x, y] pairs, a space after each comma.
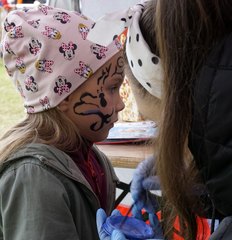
{"points": [[121, 105]]}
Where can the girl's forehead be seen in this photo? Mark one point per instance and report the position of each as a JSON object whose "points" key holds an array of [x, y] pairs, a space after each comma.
{"points": [[117, 61], [111, 72]]}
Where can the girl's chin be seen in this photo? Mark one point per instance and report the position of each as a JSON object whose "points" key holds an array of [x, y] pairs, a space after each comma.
{"points": [[101, 135]]}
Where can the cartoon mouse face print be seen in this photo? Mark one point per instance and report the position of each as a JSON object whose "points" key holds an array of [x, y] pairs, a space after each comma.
{"points": [[95, 105], [68, 50], [8, 26], [99, 50], [34, 46], [63, 17], [62, 85], [30, 84]]}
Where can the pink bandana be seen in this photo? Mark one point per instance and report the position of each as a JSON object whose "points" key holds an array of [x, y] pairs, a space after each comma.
{"points": [[47, 54]]}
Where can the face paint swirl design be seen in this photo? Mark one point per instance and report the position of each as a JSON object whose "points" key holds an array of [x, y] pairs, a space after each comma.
{"points": [[103, 101], [119, 68], [99, 100], [89, 99], [104, 118]]}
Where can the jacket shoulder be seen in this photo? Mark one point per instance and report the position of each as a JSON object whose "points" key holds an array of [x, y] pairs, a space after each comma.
{"points": [[224, 230]]}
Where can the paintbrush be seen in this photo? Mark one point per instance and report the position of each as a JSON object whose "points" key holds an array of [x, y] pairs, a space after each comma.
{"points": [[127, 215], [144, 215]]}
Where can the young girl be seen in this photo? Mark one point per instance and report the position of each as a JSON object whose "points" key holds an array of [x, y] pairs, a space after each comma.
{"points": [[53, 178]]}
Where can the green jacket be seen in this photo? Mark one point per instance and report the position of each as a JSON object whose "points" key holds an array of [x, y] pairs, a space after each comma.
{"points": [[44, 196]]}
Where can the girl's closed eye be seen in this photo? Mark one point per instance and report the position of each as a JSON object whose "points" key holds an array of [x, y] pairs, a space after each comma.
{"points": [[114, 88]]}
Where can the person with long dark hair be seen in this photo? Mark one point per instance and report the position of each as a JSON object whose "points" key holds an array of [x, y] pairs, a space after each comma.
{"points": [[194, 39]]}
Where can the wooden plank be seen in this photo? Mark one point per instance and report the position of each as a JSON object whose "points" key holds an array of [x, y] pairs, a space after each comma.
{"points": [[126, 155]]}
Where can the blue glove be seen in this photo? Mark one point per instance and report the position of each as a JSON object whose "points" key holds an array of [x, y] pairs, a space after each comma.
{"points": [[154, 222], [116, 234], [101, 218], [156, 226], [143, 181]]}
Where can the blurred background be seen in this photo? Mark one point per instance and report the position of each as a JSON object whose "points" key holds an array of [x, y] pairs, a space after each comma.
{"points": [[91, 8]]}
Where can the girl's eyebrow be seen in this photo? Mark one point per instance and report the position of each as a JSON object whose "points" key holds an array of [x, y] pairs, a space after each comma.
{"points": [[118, 80], [118, 77]]}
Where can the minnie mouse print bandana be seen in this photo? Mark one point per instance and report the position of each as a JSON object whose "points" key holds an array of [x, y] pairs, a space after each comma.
{"points": [[47, 54]]}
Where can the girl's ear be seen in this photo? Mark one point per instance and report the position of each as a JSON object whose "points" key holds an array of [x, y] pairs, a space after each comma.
{"points": [[64, 105]]}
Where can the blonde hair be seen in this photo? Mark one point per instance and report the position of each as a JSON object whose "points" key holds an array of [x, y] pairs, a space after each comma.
{"points": [[50, 127]]}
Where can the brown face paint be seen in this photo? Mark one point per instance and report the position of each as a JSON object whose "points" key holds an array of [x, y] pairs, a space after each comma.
{"points": [[105, 74], [119, 68], [103, 101], [82, 101], [85, 99], [99, 100], [104, 118]]}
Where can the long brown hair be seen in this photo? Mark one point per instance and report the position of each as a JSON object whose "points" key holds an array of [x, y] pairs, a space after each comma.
{"points": [[185, 31]]}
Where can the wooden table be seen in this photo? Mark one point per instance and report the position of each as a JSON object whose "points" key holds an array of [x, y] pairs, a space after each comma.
{"points": [[126, 155]]}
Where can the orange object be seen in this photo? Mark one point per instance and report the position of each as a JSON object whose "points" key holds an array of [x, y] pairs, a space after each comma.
{"points": [[203, 232], [6, 6], [123, 209]]}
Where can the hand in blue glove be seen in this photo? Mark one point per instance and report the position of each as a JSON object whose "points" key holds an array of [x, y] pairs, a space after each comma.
{"points": [[154, 221], [143, 181], [156, 226], [116, 234], [101, 218]]}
